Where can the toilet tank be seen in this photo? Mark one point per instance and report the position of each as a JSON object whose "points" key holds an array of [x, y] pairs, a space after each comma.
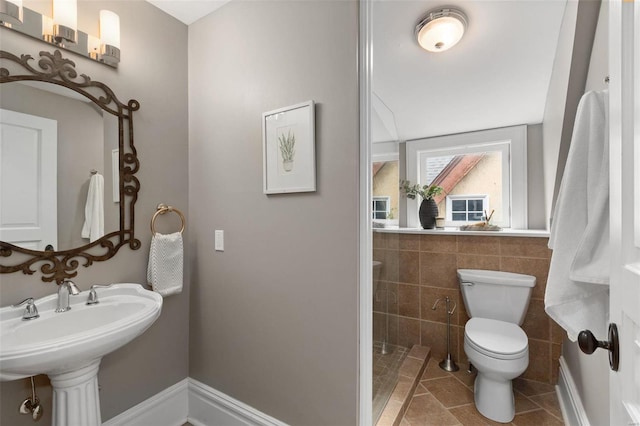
{"points": [[496, 295]]}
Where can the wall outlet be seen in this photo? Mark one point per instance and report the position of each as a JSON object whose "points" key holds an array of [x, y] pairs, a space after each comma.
{"points": [[219, 240]]}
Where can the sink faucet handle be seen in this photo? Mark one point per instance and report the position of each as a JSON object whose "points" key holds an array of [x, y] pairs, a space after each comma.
{"points": [[30, 311], [28, 300], [93, 295]]}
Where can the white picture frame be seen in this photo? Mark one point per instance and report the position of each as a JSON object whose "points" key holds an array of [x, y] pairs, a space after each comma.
{"points": [[288, 149]]}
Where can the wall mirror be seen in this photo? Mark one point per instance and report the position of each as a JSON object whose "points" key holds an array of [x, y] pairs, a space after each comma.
{"points": [[60, 130]]}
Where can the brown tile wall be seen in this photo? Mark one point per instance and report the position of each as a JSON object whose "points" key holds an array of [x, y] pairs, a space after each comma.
{"points": [[419, 269]]}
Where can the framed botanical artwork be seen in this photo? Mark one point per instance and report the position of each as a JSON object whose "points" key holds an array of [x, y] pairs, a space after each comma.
{"points": [[289, 156]]}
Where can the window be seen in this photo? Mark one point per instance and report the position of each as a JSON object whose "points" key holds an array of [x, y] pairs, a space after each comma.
{"points": [[479, 171], [466, 208], [385, 192], [381, 207], [466, 171]]}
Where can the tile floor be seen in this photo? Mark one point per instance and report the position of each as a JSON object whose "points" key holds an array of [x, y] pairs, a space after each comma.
{"points": [[444, 398]]}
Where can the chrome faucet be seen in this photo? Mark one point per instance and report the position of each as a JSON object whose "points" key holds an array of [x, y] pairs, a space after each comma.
{"points": [[64, 290]]}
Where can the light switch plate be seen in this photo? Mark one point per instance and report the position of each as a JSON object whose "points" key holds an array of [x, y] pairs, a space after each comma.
{"points": [[219, 240]]}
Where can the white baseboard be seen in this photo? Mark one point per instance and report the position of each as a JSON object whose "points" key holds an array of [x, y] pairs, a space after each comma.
{"points": [[201, 405], [570, 402], [167, 408], [209, 407], [192, 401]]}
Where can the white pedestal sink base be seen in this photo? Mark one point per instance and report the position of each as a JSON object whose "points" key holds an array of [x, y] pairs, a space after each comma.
{"points": [[75, 396]]}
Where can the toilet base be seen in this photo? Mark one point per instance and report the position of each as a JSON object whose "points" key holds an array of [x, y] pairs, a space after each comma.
{"points": [[494, 398]]}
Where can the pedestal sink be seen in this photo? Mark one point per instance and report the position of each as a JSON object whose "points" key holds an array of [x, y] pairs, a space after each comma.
{"points": [[68, 346]]}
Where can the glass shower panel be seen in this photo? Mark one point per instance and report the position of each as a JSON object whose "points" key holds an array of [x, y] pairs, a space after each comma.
{"points": [[388, 355]]}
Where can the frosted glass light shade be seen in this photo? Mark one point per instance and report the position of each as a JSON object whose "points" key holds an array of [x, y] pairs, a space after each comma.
{"points": [[441, 30], [110, 28], [65, 12], [17, 3]]}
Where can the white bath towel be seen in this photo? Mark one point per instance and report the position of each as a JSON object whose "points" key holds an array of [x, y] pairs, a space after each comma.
{"points": [[164, 272], [577, 294], [93, 227]]}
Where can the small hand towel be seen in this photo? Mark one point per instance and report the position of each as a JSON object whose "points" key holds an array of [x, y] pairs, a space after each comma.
{"points": [[577, 294], [93, 227], [164, 272]]}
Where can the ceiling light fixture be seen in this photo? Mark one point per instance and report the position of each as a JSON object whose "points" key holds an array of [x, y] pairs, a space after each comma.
{"points": [[441, 29]]}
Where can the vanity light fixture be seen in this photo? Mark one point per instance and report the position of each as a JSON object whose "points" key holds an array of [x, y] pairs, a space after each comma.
{"points": [[11, 11], [441, 29], [65, 21], [61, 29]]}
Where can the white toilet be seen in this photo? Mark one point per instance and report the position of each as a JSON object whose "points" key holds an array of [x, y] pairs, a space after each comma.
{"points": [[497, 303]]}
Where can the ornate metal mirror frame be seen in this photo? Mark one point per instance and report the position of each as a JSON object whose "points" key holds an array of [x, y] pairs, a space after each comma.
{"points": [[58, 265]]}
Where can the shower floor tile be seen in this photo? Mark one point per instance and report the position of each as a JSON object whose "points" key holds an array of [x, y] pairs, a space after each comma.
{"points": [[405, 387], [385, 374]]}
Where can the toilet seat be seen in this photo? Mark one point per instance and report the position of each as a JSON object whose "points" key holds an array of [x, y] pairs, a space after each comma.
{"points": [[496, 339]]}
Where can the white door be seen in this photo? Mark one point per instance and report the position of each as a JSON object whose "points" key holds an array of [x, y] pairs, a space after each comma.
{"points": [[28, 180], [624, 87]]}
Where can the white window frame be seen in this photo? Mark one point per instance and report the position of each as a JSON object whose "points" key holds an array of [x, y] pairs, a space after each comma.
{"points": [[511, 140], [380, 198], [449, 214]]}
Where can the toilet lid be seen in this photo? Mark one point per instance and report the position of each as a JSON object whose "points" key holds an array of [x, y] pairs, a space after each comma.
{"points": [[499, 339]]}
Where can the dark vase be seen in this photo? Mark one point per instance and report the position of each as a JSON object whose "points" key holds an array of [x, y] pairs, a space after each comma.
{"points": [[428, 213]]}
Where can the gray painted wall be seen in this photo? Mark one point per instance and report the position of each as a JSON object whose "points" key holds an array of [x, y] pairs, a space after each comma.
{"points": [[535, 178], [274, 316], [153, 71]]}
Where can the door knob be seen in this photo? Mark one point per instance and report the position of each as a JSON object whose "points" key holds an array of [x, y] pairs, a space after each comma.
{"points": [[588, 344]]}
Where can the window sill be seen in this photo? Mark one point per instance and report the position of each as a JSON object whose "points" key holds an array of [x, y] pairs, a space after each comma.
{"points": [[507, 232]]}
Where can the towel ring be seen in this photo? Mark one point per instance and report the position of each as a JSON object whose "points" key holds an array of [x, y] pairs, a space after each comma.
{"points": [[162, 209]]}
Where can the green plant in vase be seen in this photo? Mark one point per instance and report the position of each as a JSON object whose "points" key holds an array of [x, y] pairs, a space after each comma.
{"points": [[428, 207]]}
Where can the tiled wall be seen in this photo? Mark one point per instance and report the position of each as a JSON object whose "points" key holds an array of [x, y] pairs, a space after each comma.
{"points": [[419, 269]]}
